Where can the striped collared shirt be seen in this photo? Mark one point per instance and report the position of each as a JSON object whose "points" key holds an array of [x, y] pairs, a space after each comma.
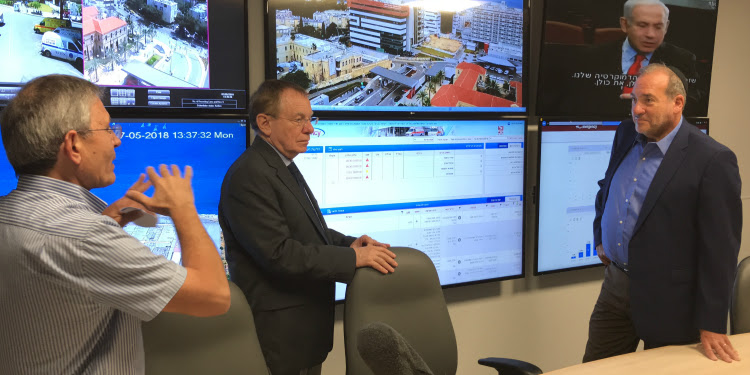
{"points": [[74, 287]]}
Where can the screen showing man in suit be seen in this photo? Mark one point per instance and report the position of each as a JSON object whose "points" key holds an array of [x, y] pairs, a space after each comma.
{"points": [[667, 227], [592, 70], [280, 251]]}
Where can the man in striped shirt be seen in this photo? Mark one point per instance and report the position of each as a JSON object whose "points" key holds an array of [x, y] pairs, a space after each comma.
{"points": [[74, 286]]}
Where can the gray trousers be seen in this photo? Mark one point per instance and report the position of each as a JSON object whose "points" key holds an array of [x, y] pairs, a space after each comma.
{"points": [[611, 329]]}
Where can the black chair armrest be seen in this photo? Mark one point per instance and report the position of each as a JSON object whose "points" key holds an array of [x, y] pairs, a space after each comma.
{"points": [[507, 366]]}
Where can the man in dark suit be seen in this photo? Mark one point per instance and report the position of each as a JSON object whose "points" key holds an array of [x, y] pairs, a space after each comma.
{"points": [[667, 226], [279, 249]]}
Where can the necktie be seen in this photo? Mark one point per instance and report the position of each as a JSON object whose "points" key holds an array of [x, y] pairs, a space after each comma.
{"points": [[303, 186], [633, 71]]}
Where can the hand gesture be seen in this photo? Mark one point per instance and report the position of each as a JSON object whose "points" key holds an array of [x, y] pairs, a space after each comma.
{"points": [[121, 218], [172, 191]]}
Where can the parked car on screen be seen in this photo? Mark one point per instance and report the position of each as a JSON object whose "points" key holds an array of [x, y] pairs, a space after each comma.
{"points": [[72, 32], [63, 47], [50, 24]]}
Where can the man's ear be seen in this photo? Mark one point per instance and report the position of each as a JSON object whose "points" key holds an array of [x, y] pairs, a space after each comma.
{"points": [[624, 24], [72, 146], [264, 124], [679, 103]]}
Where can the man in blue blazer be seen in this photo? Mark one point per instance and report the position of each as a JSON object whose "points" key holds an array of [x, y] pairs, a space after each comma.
{"points": [[667, 226], [280, 251]]}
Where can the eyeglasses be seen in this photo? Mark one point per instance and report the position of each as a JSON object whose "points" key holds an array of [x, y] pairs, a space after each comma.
{"points": [[115, 129], [300, 122]]}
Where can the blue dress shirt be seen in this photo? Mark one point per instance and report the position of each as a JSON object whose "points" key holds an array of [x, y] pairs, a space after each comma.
{"points": [[627, 192]]}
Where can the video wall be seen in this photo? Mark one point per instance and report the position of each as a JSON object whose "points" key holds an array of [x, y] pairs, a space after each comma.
{"points": [[154, 55], [401, 55], [423, 137]]}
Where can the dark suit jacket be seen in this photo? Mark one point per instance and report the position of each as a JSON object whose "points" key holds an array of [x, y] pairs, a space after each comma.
{"points": [[282, 259], [683, 252], [562, 93]]}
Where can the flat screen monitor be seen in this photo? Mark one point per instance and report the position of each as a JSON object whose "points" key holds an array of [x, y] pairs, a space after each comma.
{"points": [[158, 55], [452, 189], [401, 55], [210, 146], [8, 180], [573, 157], [582, 71]]}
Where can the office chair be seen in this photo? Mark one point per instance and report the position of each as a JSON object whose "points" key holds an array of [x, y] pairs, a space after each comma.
{"points": [[225, 344], [411, 302], [563, 33], [608, 34], [740, 308]]}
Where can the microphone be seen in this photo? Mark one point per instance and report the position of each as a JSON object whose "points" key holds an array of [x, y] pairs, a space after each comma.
{"points": [[386, 352]]}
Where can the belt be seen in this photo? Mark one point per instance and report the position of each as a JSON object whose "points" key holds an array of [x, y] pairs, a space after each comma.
{"points": [[621, 268]]}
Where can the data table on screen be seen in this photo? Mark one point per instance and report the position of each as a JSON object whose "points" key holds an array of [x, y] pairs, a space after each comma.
{"points": [[457, 195]]}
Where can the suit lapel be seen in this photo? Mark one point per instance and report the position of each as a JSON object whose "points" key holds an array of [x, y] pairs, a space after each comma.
{"points": [[282, 172], [669, 165]]}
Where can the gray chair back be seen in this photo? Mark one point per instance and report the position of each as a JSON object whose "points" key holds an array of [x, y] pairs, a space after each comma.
{"points": [[740, 310], [411, 301], [225, 344]]}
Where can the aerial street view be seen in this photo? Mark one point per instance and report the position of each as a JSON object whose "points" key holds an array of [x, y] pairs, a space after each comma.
{"points": [[402, 52], [146, 42]]}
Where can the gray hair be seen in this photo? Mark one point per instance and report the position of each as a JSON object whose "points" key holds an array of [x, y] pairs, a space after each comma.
{"points": [[675, 86], [631, 4], [35, 122], [266, 98]]}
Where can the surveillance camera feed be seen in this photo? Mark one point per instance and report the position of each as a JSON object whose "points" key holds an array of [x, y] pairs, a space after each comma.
{"points": [[147, 53], [400, 55]]}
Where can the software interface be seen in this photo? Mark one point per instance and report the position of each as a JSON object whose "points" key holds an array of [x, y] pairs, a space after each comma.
{"points": [[209, 146], [453, 189], [8, 179], [573, 158]]}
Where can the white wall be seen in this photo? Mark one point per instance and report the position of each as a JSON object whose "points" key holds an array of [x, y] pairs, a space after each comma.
{"points": [[544, 319]]}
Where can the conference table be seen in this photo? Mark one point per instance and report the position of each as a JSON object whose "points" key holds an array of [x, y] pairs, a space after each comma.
{"points": [[682, 360]]}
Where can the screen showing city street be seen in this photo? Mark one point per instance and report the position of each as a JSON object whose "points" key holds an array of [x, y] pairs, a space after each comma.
{"points": [[37, 40], [391, 54], [160, 43]]}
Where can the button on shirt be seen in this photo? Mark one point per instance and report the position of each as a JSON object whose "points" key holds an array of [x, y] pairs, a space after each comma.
{"points": [[628, 57], [74, 286], [627, 192]]}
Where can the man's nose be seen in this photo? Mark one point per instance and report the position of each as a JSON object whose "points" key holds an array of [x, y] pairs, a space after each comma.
{"points": [[308, 128]]}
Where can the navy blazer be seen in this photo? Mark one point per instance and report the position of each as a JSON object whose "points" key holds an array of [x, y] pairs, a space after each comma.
{"points": [[683, 252], [283, 257]]}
